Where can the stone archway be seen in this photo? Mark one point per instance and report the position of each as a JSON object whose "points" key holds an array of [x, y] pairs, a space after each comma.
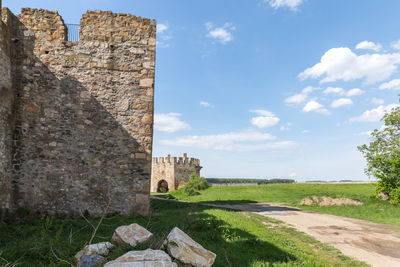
{"points": [[162, 186]]}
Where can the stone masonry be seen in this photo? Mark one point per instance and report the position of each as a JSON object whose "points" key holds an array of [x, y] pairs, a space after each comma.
{"points": [[76, 118], [171, 172]]}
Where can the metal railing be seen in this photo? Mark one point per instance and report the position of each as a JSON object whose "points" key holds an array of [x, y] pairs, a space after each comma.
{"points": [[73, 32]]}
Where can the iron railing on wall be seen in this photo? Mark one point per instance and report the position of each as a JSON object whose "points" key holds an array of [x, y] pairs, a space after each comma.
{"points": [[73, 32]]}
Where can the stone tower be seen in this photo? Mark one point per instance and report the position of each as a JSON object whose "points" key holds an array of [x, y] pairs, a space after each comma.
{"points": [[169, 172], [76, 118]]}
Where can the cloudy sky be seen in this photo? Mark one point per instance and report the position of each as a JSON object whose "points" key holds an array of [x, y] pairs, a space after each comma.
{"points": [[266, 88]]}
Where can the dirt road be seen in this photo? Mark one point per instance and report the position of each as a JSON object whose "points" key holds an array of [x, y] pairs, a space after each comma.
{"points": [[375, 244]]}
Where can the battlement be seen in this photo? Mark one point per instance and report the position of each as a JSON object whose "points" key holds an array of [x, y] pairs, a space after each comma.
{"points": [[117, 27], [177, 160], [101, 26]]}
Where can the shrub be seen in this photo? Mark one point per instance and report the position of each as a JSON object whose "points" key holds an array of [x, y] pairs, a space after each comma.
{"points": [[395, 196], [194, 185]]}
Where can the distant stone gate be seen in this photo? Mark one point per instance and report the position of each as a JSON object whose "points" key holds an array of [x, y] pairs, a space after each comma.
{"points": [[167, 173]]}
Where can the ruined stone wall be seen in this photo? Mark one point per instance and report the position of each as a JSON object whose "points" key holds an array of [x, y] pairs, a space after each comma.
{"points": [[6, 116], [84, 112], [173, 170], [184, 168]]}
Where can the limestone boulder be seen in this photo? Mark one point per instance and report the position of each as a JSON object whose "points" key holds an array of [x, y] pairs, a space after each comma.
{"points": [[383, 195], [94, 249], [306, 202], [132, 234], [182, 247], [143, 258], [91, 261]]}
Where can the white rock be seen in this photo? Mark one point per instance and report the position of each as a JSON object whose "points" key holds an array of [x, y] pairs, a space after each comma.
{"points": [[131, 234], [143, 258], [383, 195], [186, 250], [95, 249]]}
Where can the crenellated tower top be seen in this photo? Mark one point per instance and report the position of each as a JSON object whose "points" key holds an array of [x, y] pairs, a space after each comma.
{"points": [[177, 160]]}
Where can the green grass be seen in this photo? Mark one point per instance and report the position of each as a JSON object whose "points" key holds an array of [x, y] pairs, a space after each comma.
{"points": [[291, 194], [238, 238]]}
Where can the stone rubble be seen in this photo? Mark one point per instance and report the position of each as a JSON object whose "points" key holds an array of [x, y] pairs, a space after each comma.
{"points": [[178, 244], [133, 235], [95, 249], [91, 261], [327, 201], [144, 258], [186, 250]]}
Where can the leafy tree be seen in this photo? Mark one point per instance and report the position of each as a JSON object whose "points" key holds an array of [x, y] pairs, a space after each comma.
{"points": [[383, 155]]}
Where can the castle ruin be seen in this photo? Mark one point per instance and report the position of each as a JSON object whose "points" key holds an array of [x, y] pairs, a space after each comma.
{"points": [[170, 172], [76, 118]]}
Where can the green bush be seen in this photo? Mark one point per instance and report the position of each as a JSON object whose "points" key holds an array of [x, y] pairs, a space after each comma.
{"points": [[395, 196], [194, 185]]}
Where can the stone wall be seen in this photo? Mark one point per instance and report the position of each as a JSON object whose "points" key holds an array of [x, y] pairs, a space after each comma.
{"points": [[173, 170], [6, 116], [84, 112]]}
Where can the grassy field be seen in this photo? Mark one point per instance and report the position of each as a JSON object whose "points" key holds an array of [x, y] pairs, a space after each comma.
{"points": [[291, 194], [238, 239]]}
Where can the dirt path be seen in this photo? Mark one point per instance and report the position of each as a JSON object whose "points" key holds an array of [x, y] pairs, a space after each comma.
{"points": [[375, 244]]}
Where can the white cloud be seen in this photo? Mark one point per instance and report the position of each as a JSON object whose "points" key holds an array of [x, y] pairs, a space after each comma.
{"points": [[369, 46], [341, 102], [300, 98], [292, 174], [305, 131], [292, 4], [334, 90], [266, 118], [206, 104], [377, 101], [342, 64], [233, 141], [161, 27], [296, 99], [314, 106], [396, 45], [367, 133], [354, 92], [287, 127], [221, 34], [392, 85], [309, 89], [169, 122], [162, 35], [375, 114]]}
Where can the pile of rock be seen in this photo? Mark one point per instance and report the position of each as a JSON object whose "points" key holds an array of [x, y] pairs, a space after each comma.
{"points": [[178, 245], [327, 201]]}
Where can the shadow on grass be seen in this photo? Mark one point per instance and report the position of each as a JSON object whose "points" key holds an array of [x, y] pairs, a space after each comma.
{"points": [[248, 205], [36, 243], [233, 245]]}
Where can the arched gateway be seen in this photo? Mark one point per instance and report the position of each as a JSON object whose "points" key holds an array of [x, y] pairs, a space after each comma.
{"points": [[162, 186]]}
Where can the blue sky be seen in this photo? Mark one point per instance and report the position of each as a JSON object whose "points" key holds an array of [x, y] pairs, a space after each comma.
{"points": [[266, 88]]}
